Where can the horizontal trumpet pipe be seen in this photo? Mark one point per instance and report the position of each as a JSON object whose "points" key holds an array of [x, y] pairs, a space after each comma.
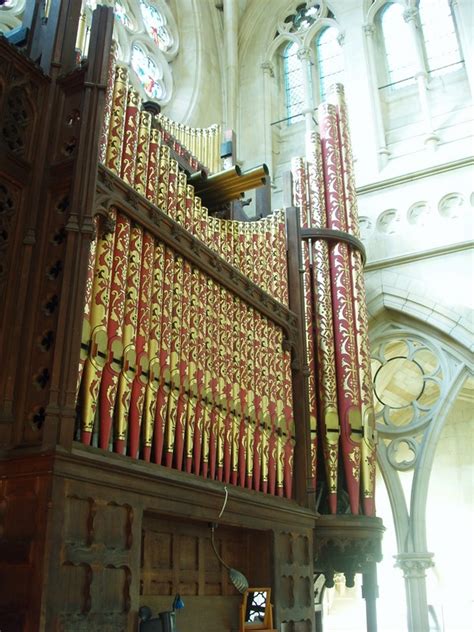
{"points": [[198, 177], [228, 194], [244, 182], [222, 176]]}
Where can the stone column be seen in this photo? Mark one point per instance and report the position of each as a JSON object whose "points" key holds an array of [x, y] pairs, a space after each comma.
{"points": [[268, 75], [383, 152], [304, 55], [231, 33], [421, 77], [414, 566], [462, 21]]}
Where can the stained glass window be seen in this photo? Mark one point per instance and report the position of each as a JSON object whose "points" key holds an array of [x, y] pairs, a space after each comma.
{"points": [[148, 72], [400, 53], [155, 24], [122, 14], [439, 34], [294, 84], [330, 60]]}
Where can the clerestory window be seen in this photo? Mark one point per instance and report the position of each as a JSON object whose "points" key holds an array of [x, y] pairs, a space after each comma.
{"points": [[312, 59]]}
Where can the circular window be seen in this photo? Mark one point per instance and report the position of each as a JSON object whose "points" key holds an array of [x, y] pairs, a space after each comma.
{"points": [[388, 221], [407, 378], [398, 382]]}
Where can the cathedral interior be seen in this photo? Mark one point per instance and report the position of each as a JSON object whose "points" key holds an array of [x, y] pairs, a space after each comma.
{"points": [[236, 315]]}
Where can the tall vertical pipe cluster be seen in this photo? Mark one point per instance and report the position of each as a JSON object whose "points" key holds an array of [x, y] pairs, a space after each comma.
{"points": [[336, 323]]}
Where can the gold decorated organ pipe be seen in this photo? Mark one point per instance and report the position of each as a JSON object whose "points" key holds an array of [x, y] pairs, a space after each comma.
{"points": [[250, 404], [290, 425], [175, 350], [183, 367], [113, 158], [301, 199], [109, 94], [221, 373], [181, 192], [282, 260], [129, 366], [130, 138], [234, 322], [215, 368], [274, 245], [230, 377], [116, 313], [257, 378], [240, 395], [172, 189], [360, 308], [141, 345], [143, 149], [153, 169], [192, 145], [328, 416], [86, 325], [199, 144], [156, 307], [189, 219], [273, 406], [192, 369], [216, 152], [267, 354], [204, 158], [197, 219], [346, 348], [95, 361], [210, 350], [163, 178], [165, 350], [280, 414], [202, 361]]}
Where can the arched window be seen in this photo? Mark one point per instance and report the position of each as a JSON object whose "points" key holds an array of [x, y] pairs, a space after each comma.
{"points": [[329, 60], [400, 54], [294, 83], [439, 35]]}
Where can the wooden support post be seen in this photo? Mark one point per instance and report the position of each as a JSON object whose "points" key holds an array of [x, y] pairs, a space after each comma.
{"points": [[60, 412], [52, 40], [303, 491]]}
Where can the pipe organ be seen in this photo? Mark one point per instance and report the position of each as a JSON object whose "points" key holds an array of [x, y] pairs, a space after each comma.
{"points": [[178, 370], [154, 353]]}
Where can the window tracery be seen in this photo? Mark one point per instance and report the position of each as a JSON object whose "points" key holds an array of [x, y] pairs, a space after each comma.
{"points": [[307, 76], [410, 44]]}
